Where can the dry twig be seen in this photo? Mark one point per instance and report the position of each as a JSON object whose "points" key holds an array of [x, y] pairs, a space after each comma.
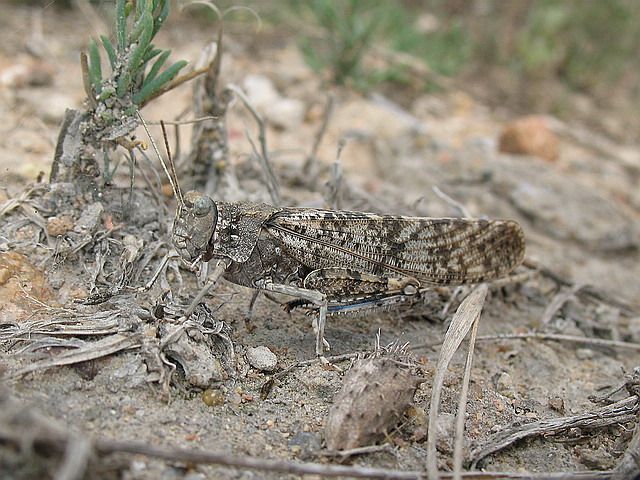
{"points": [[311, 164], [561, 338], [458, 446], [620, 412], [586, 292], [90, 351], [263, 155], [558, 302]]}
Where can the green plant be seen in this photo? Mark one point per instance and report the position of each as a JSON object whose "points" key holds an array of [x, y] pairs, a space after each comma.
{"points": [[348, 26], [136, 65], [138, 74], [349, 30]]}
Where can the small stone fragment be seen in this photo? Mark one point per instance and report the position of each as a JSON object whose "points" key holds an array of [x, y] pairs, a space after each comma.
{"points": [[584, 354], [261, 358], [286, 113], [200, 365], [504, 385], [375, 394], [598, 459], [260, 90], [304, 444], [5, 275], [235, 398], [27, 73], [89, 219], [212, 398], [557, 404], [530, 136], [167, 190]]}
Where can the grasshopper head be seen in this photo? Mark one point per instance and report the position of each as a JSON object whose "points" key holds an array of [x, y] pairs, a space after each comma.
{"points": [[194, 225]]}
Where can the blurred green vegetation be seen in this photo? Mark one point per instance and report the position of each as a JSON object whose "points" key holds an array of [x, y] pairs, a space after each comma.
{"points": [[341, 33], [590, 46], [580, 42]]}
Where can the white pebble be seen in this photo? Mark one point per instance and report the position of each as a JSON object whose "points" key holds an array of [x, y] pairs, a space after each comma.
{"points": [[261, 358]]}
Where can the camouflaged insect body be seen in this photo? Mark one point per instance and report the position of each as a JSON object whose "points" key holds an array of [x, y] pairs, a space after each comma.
{"points": [[359, 261], [447, 251]]}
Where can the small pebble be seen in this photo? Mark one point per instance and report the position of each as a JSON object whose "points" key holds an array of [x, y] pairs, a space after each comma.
{"points": [[138, 466], [584, 354], [557, 404], [5, 275], [304, 444], [235, 399], [27, 73], [260, 90], [530, 136], [286, 113], [212, 398], [504, 385], [261, 358]]}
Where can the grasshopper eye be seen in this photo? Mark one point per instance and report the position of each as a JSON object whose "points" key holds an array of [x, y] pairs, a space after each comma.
{"points": [[202, 206]]}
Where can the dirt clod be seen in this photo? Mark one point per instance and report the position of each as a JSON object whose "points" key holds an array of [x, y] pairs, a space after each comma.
{"points": [[375, 394], [59, 225], [530, 136]]}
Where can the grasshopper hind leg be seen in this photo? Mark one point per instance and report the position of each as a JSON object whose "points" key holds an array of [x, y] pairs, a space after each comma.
{"points": [[355, 293], [340, 291]]}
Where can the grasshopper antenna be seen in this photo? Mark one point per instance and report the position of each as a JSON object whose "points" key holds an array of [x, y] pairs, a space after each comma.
{"points": [[178, 192], [171, 174]]}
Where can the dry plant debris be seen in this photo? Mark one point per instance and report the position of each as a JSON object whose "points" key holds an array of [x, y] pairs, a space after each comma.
{"points": [[376, 392]]}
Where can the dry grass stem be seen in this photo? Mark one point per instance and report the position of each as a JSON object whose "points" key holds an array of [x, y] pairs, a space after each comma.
{"points": [[467, 314]]}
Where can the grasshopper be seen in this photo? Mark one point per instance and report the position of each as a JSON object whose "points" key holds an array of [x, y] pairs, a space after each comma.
{"points": [[340, 262]]}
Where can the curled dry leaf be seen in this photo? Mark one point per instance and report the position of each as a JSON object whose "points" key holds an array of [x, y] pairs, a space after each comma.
{"points": [[375, 394]]}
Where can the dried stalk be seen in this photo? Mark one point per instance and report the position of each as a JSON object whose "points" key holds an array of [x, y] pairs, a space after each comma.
{"points": [[310, 166], [558, 302], [263, 156], [562, 338], [90, 351], [458, 446], [587, 292], [620, 412], [467, 314], [57, 440]]}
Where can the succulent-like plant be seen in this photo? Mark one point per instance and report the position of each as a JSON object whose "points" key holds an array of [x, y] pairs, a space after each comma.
{"points": [[138, 74], [133, 54]]}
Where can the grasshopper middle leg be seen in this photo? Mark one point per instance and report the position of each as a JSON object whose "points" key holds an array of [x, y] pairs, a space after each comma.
{"points": [[315, 297]]}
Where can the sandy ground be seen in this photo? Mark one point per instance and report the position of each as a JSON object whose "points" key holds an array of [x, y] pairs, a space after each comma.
{"points": [[579, 213]]}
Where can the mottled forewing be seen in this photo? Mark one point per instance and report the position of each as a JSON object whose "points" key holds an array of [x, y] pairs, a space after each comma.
{"points": [[433, 250]]}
